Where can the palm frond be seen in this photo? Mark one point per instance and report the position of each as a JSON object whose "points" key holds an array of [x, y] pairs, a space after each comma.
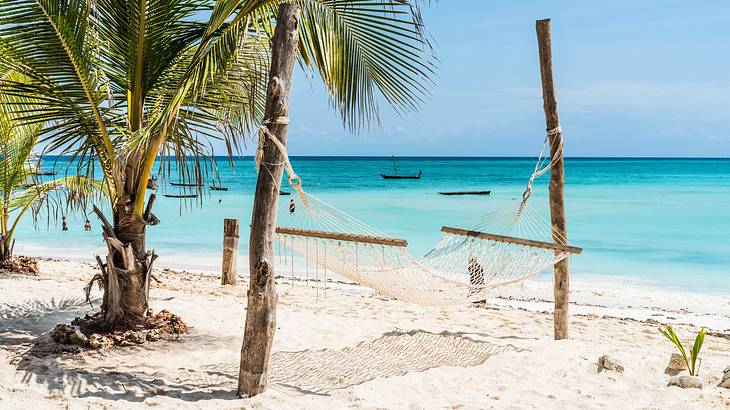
{"points": [[17, 139], [365, 51], [51, 42]]}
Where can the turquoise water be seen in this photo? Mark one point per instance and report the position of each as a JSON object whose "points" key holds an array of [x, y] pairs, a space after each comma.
{"points": [[664, 221]]}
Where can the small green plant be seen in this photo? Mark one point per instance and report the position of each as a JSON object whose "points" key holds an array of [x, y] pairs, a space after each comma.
{"points": [[693, 363]]}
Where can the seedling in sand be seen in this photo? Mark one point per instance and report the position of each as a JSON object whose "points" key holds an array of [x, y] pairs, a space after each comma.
{"points": [[693, 363]]}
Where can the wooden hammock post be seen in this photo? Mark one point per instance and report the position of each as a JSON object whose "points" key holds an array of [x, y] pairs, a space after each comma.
{"points": [[229, 274], [261, 308], [557, 177]]}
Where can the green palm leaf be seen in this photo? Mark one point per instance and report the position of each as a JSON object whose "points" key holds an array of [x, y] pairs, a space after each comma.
{"points": [[120, 81], [51, 42]]}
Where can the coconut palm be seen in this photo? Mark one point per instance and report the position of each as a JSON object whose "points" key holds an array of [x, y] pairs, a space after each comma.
{"points": [[20, 190], [127, 81]]}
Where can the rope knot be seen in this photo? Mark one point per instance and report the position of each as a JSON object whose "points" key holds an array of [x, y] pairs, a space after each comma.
{"points": [[276, 121], [264, 135], [555, 131]]}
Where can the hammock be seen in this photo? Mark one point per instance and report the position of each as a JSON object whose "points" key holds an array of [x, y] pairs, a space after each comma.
{"points": [[468, 264]]}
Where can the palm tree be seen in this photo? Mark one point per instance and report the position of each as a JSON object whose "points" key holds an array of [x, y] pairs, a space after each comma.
{"points": [[125, 81], [20, 189]]}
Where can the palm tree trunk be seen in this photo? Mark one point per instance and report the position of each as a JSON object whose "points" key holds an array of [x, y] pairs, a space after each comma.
{"points": [[5, 248], [131, 233], [127, 268]]}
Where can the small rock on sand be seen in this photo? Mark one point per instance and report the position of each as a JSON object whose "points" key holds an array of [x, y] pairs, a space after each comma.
{"points": [[686, 382], [606, 362], [725, 378], [78, 338], [676, 365]]}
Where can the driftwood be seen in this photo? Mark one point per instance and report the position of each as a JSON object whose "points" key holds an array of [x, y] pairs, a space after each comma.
{"points": [[261, 308], [229, 274], [557, 177]]}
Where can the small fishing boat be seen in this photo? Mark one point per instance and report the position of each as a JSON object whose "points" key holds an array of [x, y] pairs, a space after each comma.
{"points": [[417, 176], [218, 188], [466, 193], [396, 176], [284, 193], [186, 184], [46, 173], [181, 196]]}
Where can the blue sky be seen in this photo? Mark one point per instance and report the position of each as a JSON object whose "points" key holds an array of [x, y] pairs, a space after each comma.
{"points": [[635, 78]]}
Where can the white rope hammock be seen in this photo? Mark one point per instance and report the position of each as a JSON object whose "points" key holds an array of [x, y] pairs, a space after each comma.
{"points": [[467, 265]]}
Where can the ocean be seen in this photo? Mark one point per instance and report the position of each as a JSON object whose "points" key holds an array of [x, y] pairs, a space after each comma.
{"points": [[660, 222]]}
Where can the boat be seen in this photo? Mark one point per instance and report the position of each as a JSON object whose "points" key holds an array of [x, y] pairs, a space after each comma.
{"points": [[284, 193], [417, 176], [181, 196], [466, 193], [218, 188], [46, 173], [396, 176], [186, 184]]}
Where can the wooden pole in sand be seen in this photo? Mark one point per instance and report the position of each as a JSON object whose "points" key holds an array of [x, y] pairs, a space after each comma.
{"points": [[229, 274], [261, 309], [557, 177]]}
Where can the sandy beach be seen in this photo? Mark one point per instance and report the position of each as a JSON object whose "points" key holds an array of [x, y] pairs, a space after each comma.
{"points": [[353, 348]]}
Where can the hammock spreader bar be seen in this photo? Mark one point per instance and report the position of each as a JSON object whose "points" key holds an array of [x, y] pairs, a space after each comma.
{"points": [[345, 237], [511, 239]]}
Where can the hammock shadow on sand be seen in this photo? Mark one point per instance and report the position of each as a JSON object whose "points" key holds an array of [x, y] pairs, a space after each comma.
{"points": [[393, 354], [317, 372]]}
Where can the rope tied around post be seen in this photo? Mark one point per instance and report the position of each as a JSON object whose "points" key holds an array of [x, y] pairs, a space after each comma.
{"points": [[265, 134], [541, 170]]}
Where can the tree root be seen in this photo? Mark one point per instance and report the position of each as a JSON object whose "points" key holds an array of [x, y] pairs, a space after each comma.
{"points": [[92, 332]]}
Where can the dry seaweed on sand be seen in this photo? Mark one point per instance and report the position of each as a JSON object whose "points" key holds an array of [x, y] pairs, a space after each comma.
{"points": [[93, 332], [20, 264]]}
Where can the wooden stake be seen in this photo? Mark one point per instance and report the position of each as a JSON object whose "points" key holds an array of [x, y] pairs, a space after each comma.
{"points": [[261, 309], [229, 274], [557, 177]]}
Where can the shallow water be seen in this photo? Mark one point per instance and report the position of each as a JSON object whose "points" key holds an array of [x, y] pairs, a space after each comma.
{"points": [[664, 221]]}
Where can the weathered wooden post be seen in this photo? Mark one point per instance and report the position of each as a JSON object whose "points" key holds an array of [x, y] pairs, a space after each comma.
{"points": [[229, 274], [557, 177], [261, 309]]}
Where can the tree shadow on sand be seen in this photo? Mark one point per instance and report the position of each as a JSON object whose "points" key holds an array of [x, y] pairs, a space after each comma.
{"points": [[318, 372], [22, 323]]}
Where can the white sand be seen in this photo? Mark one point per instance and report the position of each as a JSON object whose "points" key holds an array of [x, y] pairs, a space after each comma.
{"points": [[354, 348]]}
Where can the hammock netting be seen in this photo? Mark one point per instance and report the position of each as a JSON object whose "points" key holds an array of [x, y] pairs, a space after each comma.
{"points": [[466, 265]]}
